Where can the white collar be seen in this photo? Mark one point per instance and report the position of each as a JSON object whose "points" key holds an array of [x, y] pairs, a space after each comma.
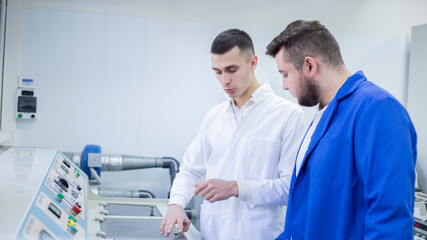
{"points": [[258, 94]]}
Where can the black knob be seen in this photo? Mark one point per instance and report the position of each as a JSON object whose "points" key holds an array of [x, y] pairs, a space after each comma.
{"points": [[63, 183]]}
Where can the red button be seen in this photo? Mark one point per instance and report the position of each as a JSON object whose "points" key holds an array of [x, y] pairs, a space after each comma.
{"points": [[76, 209]]}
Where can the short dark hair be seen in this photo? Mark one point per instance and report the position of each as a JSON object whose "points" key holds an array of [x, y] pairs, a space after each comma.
{"points": [[231, 38], [306, 38]]}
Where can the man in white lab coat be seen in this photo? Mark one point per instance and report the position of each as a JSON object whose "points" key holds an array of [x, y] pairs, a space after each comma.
{"points": [[246, 147]]}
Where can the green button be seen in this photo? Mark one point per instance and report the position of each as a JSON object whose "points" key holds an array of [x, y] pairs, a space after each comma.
{"points": [[60, 196], [19, 115], [72, 218]]}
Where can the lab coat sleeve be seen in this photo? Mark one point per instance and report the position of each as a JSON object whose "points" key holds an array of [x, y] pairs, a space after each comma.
{"points": [[192, 168], [275, 191], [385, 155]]}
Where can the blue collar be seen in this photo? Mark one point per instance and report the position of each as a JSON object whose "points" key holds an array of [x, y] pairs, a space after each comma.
{"points": [[350, 85]]}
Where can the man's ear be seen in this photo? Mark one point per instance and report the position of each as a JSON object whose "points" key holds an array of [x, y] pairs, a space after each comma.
{"points": [[254, 62], [310, 67]]}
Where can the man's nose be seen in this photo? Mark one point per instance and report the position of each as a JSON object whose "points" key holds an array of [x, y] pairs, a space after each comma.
{"points": [[225, 80], [285, 85]]}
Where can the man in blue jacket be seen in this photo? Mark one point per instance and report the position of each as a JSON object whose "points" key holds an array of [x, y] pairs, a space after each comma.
{"points": [[355, 170]]}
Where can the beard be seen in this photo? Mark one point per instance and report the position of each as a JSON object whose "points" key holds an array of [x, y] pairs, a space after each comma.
{"points": [[309, 93]]}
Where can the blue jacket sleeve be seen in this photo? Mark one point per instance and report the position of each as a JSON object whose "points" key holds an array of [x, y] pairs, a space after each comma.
{"points": [[385, 155]]}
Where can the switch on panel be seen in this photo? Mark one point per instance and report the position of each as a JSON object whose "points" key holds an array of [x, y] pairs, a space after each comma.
{"points": [[75, 209], [26, 100]]}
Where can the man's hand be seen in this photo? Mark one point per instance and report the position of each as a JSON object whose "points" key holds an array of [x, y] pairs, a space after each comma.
{"points": [[174, 215], [215, 189]]}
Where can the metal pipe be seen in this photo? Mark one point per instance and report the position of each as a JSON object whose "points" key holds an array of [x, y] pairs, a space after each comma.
{"points": [[173, 165], [109, 192], [117, 162]]}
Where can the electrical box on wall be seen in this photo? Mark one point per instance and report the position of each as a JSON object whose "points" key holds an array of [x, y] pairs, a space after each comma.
{"points": [[26, 99]]}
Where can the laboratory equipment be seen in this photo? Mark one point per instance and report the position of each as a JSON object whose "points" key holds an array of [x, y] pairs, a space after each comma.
{"points": [[47, 196], [93, 162], [420, 216]]}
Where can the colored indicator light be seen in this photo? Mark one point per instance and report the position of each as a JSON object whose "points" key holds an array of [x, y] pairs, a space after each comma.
{"points": [[72, 229], [71, 222], [72, 218], [59, 197]]}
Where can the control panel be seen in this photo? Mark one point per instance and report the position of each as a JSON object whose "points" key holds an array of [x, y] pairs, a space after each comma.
{"points": [[59, 208], [47, 197]]}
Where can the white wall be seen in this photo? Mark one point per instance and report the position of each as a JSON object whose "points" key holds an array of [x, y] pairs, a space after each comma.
{"points": [[139, 82], [417, 98]]}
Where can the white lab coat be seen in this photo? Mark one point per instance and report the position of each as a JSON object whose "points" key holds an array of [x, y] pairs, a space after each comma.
{"points": [[259, 154]]}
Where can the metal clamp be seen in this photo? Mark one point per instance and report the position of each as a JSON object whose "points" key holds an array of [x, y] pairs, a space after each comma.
{"points": [[101, 234], [103, 211]]}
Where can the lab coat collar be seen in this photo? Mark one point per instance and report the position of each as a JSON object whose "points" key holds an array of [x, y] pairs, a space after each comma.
{"points": [[263, 90], [350, 84]]}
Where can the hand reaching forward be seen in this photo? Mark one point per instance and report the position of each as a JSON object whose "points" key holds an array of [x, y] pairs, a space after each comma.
{"points": [[174, 215], [216, 189]]}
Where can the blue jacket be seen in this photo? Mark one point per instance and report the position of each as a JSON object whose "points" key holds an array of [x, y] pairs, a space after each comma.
{"points": [[357, 177]]}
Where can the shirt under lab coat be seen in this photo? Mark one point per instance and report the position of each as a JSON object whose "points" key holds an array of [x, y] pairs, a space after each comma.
{"points": [[259, 153]]}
